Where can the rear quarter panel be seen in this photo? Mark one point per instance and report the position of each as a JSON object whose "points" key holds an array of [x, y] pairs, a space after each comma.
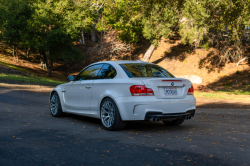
{"points": [[112, 88]]}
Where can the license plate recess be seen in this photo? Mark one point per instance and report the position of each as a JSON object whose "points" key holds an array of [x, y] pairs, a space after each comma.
{"points": [[169, 91]]}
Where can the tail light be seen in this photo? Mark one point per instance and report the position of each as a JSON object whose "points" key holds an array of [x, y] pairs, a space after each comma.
{"points": [[141, 90], [191, 91]]}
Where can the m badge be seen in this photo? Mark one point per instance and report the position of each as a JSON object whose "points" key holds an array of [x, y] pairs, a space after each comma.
{"points": [[172, 83]]}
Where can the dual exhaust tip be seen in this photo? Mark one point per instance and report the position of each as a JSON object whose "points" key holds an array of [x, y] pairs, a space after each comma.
{"points": [[158, 119], [155, 119]]}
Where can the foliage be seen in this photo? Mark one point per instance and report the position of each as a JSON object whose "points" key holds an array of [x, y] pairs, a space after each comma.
{"points": [[151, 19], [14, 17], [206, 46], [160, 20], [124, 16], [221, 24], [51, 26], [55, 25]]}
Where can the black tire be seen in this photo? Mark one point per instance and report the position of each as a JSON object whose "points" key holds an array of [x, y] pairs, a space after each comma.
{"points": [[105, 113], [175, 122], [55, 105]]}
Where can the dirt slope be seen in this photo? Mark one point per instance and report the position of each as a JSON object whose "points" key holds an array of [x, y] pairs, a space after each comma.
{"points": [[180, 60]]}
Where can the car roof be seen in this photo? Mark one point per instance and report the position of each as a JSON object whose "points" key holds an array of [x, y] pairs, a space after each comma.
{"points": [[121, 62], [120, 72]]}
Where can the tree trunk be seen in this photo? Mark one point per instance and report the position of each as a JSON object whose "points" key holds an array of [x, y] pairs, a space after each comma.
{"points": [[16, 55], [28, 52], [49, 64], [93, 35], [13, 53], [49, 68], [241, 60], [82, 41], [226, 28], [93, 38], [148, 54]]}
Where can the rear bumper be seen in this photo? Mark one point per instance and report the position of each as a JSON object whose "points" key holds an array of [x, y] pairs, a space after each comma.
{"points": [[158, 115], [142, 107]]}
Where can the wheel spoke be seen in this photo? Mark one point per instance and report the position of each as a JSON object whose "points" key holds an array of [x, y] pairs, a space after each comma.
{"points": [[109, 121], [104, 111], [105, 106]]}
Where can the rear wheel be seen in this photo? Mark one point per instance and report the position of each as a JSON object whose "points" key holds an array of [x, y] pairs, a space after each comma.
{"points": [[175, 122], [55, 105], [110, 116]]}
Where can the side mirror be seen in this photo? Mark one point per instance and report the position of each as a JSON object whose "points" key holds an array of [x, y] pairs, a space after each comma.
{"points": [[71, 78]]}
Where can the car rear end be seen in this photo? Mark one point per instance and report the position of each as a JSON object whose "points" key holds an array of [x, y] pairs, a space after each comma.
{"points": [[160, 96]]}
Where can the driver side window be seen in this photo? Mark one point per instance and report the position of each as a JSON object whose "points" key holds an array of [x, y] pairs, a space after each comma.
{"points": [[90, 73]]}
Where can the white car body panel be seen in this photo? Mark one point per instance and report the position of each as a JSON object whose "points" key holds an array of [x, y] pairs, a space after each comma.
{"points": [[78, 99], [136, 107], [77, 94], [110, 88]]}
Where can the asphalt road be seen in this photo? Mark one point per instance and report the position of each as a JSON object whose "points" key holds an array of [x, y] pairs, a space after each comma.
{"points": [[29, 135]]}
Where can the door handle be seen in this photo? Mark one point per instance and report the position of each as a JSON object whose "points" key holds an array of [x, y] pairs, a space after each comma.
{"points": [[88, 87], [64, 91]]}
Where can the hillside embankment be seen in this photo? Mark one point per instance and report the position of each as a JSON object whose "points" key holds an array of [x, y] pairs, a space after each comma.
{"points": [[224, 85]]}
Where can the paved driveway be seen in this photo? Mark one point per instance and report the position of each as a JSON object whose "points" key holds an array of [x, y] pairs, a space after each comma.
{"points": [[29, 135]]}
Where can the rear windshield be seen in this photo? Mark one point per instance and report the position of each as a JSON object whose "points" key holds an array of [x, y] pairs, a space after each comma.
{"points": [[134, 70]]}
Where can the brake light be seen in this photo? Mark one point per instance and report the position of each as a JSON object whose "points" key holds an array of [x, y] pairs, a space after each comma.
{"points": [[171, 80], [141, 90], [191, 91]]}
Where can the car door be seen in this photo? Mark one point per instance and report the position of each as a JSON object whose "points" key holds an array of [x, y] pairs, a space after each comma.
{"points": [[77, 94], [102, 85]]}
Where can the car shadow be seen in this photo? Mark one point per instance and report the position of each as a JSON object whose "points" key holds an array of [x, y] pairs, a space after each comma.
{"points": [[157, 127], [132, 125], [85, 119]]}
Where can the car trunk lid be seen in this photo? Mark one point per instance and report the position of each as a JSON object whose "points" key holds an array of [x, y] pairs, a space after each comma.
{"points": [[168, 88]]}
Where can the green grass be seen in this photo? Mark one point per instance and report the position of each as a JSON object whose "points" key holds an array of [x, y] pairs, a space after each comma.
{"points": [[30, 79], [14, 67], [235, 92], [225, 95], [26, 70]]}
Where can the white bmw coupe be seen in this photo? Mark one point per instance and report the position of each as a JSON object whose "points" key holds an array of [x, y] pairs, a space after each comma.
{"points": [[121, 91]]}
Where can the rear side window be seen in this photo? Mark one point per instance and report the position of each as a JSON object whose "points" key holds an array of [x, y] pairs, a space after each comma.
{"points": [[134, 70], [107, 72], [90, 73]]}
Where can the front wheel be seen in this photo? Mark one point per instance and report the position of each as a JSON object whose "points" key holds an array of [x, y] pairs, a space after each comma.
{"points": [[110, 116], [175, 122], [55, 105]]}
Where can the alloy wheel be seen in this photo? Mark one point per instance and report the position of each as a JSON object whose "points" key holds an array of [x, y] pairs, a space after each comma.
{"points": [[108, 113], [54, 104]]}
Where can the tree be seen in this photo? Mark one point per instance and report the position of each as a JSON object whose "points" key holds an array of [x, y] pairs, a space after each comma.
{"points": [[205, 22], [55, 25], [125, 17], [159, 21], [51, 26], [14, 17], [199, 22], [151, 19]]}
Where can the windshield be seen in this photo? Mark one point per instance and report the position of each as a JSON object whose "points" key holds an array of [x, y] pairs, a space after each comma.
{"points": [[134, 70]]}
